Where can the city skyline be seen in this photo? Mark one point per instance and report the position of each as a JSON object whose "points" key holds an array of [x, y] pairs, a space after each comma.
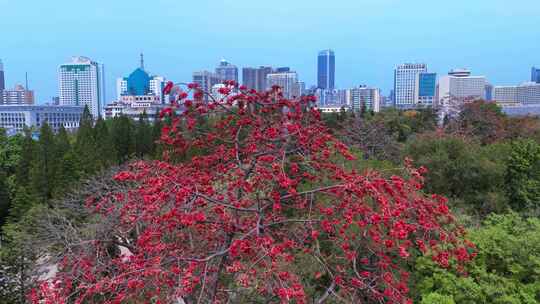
{"points": [[176, 42]]}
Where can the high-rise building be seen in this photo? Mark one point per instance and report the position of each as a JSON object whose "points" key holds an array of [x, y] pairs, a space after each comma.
{"points": [[17, 96], [424, 90], [459, 86], [80, 85], [255, 78], [2, 79], [206, 81], [287, 81], [140, 83], [405, 78], [535, 75], [363, 96], [326, 70], [227, 71]]}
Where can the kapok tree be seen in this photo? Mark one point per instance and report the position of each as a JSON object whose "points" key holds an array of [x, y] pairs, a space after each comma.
{"points": [[261, 209]]}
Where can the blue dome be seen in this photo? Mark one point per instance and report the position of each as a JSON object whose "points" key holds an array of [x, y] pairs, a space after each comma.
{"points": [[138, 83]]}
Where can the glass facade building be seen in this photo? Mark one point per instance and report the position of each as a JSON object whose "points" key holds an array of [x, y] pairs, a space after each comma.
{"points": [[535, 75], [426, 84], [326, 70]]}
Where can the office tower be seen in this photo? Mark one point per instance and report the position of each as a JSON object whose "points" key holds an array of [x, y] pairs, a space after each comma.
{"points": [[458, 87], [80, 85], [363, 96], [17, 96], [227, 71], [405, 77], [535, 75], [424, 90], [525, 94], [206, 80], [255, 78], [140, 83], [489, 92], [2, 79], [287, 81], [326, 70]]}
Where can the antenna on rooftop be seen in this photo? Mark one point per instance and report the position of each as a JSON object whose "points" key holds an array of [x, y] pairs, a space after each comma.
{"points": [[142, 61], [26, 78]]}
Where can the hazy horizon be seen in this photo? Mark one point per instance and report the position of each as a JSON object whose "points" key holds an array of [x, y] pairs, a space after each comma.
{"points": [[369, 37]]}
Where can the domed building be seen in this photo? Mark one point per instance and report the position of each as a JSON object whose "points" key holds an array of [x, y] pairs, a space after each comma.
{"points": [[138, 93]]}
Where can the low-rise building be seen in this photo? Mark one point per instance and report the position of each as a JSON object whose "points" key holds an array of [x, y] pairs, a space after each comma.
{"points": [[16, 117]]}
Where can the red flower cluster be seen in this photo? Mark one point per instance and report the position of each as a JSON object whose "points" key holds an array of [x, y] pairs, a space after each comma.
{"points": [[260, 196]]}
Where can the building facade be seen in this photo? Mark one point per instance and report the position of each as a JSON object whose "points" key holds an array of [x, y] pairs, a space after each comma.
{"points": [[460, 86], [206, 81], [326, 70], [405, 78], [80, 84], [2, 79], [17, 117], [140, 83], [535, 75], [17, 96], [255, 78], [367, 97], [425, 89], [227, 71], [287, 81], [505, 94]]}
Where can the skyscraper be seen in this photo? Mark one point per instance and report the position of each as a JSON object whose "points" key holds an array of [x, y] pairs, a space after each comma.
{"points": [[405, 76], [326, 70], [2, 79], [255, 78], [80, 84], [227, 71], [535, 75]]}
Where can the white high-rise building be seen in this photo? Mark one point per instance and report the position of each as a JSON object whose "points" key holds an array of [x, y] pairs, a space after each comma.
{"points": [[364, 96], [80, 85], [288, 81], [405, 78], [460, 86]]}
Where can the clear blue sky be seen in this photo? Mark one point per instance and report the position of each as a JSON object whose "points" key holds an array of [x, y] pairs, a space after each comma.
{"points": [[496, 38]]}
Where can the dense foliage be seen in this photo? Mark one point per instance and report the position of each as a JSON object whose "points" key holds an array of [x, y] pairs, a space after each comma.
{"points": [[253, 204]]}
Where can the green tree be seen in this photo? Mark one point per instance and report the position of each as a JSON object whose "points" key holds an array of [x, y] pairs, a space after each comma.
{"points": [[523, 176], [105, 148], [122, 134], [43, 171], [157, 150], [67, 171], [28, 153], [143, 136], [461, 169], [85, 144], [506, 269]]}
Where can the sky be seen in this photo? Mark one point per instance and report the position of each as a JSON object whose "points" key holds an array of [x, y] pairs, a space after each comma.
{"points": [[497, 38]]}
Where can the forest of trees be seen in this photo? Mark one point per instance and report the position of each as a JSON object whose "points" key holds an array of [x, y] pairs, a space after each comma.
{"points": [[486, 163]]}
